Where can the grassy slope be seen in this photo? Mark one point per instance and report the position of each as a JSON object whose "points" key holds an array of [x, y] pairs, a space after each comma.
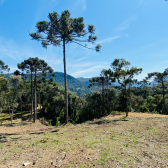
{"points": [[108, 142]]}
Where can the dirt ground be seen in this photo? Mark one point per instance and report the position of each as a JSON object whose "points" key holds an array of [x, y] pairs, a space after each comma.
{"points": [[113, 141], [29, 127], [138, 115]]}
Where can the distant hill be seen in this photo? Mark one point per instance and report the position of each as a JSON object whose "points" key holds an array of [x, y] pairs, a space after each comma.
{"points": [[78, 85], [84, 80], [73, 84]]}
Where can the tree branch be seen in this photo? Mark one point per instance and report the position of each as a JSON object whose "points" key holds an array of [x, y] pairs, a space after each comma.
{"points": [[83, 45]]}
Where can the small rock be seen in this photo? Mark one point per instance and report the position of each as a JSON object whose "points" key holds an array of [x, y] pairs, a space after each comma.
{"points": [[34, 162], [25, 164]]}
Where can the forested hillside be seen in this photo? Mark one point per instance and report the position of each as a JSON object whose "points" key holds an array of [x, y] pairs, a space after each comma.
{"points": [[84, 80], [73, 84]]}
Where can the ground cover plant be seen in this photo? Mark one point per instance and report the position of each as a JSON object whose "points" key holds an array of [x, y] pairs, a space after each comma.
{"points": [[112, 141]]}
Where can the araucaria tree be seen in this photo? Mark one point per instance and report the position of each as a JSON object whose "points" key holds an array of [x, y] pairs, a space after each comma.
{"points": [[3, 67], [160, 78], [13, 94], [103, 80], [61, 30], [35, 67], [124, 76]]}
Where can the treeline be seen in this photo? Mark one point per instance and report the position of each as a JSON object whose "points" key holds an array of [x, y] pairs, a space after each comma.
{"points": [[33, 88], [149, 95]]}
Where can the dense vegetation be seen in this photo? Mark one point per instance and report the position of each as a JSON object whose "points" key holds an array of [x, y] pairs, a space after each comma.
{"points": [[39, 94]]}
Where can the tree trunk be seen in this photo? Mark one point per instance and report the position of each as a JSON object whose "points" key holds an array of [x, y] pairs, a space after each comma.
{"points": [[12, 116], [126, 101], [40, 100], [21, 105], [108, 101], [31, 95], [65, 81], [129, 98], [0, 111], [35, 99], [163, 97], [103, 97]]}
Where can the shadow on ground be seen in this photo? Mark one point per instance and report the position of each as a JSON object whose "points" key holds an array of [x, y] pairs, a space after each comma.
{"points": [[16, 114], [101, 122], [3, 139]]}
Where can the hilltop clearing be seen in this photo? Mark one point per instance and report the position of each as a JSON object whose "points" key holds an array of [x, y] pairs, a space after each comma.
{"points": [[113, 141]]}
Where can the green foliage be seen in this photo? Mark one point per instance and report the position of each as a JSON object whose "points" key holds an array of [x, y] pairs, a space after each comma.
{"points": [[3, 67], [135, 142], [4, 92], [15, 93], [64, 29], [38, 70], [160, 78], [126, 145], [125, 77], [50, 122], [1, 145], [57, 121], [73, 84], [52, 99], [147, 109], [56, 142]]}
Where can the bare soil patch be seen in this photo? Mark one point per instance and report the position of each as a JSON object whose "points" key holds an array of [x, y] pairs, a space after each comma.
{"points": [[23, 128], [139, 141], [137, 115]]}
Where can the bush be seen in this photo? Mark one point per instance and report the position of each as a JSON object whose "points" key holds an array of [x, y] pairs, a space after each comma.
{"points": [[57, 122]]}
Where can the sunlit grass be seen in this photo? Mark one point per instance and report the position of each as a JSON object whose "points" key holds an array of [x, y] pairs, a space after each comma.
{"points": [[137, 142]]}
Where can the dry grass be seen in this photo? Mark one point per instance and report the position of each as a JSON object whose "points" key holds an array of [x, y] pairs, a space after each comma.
{"points": [[113, 141]]}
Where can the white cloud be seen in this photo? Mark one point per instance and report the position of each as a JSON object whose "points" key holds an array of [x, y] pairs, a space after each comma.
{"points": [[84, 4], [79, 65], [81, 58], [140, 1], [87, 72], [161, 66], [9, 49], [80, 5], [108, 40], [126, 24], [12, 53]]}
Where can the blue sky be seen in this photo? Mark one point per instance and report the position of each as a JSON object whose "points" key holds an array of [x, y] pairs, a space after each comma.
{"points": [[136, 30]]}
